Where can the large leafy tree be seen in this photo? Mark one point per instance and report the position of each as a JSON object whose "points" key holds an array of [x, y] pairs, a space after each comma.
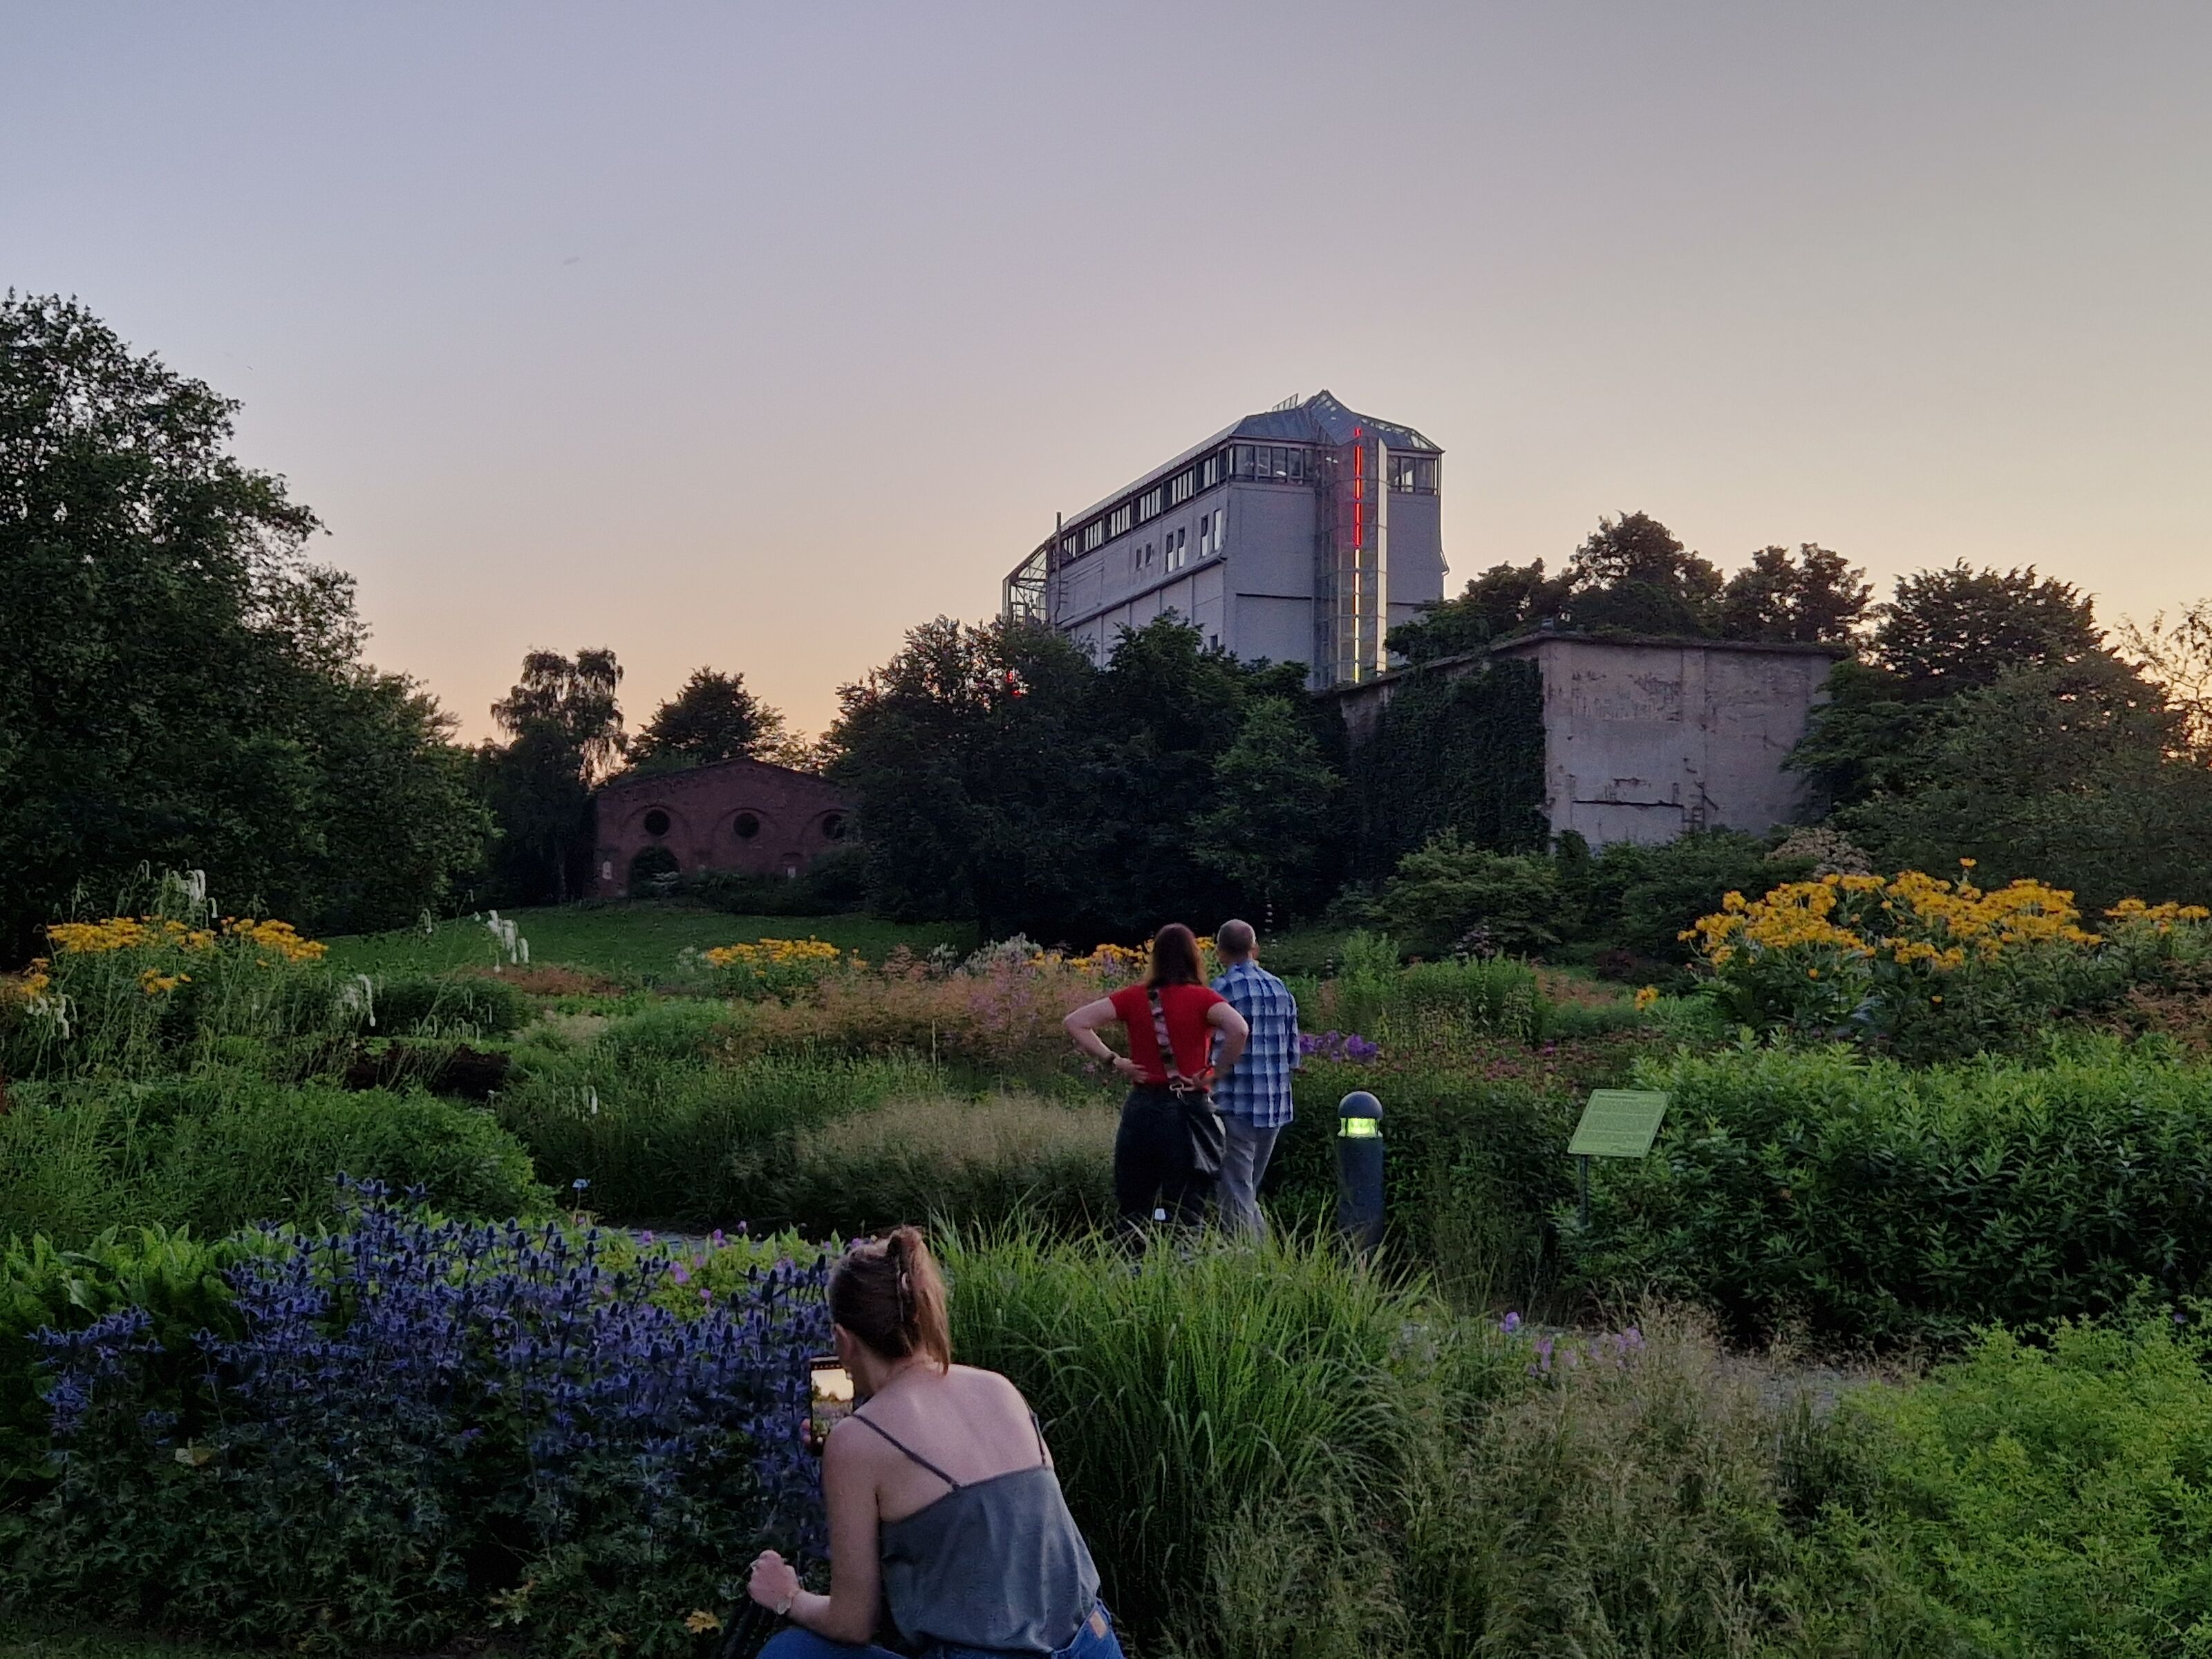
{"points": [[1811, 597], [564, 731], [1167, 709], [2073, 773], [1503, 600], [1632, 574], [182, 685], [973, 762], [2177, 654], [1949, 630], [1942, 633], [1002, 775], [1274, 822], [714, 717]]}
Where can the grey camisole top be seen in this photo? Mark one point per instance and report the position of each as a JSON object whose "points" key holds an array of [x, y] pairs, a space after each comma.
{"points": [[996, 1564]]}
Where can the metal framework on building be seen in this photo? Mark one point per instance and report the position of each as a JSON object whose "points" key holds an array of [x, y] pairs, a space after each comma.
{"points": [[1026, 593]]}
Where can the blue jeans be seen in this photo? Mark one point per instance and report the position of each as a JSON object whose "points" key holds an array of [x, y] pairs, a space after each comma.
{"points": [[793, 1642]]}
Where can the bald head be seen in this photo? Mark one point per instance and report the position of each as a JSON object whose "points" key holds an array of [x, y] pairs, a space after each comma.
{"points": [[1236, 939]]}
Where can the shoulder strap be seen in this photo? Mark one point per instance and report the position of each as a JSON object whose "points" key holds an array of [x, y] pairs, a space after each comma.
{"points": [[1160, 1036], [1043, 1456], [907, 1449]]}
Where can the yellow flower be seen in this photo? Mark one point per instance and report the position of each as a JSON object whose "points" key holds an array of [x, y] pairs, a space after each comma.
{"points": [[1646, 997], [700, 1622]]}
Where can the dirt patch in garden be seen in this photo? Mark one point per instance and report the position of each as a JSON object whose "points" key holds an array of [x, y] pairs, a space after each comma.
{"points": [[460, 1071], [1559, 986]]}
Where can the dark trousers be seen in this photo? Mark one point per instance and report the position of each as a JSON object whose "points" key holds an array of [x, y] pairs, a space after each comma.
{"points": [[1152, 1162]]}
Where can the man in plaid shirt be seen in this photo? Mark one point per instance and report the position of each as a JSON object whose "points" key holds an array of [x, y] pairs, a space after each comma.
{"points": [[1254, 1094]]}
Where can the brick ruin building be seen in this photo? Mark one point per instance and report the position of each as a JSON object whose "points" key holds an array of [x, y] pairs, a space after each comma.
{"points": [[740, 814]]}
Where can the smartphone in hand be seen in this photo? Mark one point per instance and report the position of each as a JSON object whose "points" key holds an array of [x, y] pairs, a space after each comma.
{"points": [[832, 1398]]}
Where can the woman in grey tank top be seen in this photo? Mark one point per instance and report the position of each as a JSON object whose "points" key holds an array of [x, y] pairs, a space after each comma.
{"points": [[944, 1507]]}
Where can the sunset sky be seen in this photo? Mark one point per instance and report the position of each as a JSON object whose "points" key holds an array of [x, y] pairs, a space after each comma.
{"points": [[751, 336]]}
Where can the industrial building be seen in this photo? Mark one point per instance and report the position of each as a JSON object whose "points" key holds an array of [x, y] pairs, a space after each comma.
{"points": [[1646, 737], [1302, 534]]}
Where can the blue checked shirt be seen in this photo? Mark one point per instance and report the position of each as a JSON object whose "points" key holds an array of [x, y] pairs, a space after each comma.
{"points": [[1258, 1086]]}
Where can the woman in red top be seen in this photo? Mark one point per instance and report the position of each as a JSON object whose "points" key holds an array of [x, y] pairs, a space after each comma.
{"points": [[1154, 1167]]}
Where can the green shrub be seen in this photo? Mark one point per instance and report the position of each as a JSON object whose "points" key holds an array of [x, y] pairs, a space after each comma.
{"points": [[835, 884], [954, 1160], [1863, 1201], [174, 1277], [1637, 900], [216, 1151], [450, 1005], [1454, 894], [2027, 1500]]}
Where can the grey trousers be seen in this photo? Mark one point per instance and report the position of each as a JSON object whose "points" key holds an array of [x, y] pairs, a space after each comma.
{"points": [[1243, 1165]]}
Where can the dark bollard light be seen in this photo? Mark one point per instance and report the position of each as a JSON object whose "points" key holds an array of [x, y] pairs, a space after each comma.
{"points": [[1359, 1170]]}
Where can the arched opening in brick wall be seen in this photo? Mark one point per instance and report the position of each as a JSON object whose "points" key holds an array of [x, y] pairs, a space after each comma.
{"points": [[654, 870]]}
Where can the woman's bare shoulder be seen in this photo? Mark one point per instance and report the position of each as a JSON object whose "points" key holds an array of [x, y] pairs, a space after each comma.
{"points": [[987, 1385]]}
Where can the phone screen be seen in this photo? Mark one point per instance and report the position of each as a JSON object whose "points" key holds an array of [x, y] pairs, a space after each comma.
{"points": [[833, 1394]]}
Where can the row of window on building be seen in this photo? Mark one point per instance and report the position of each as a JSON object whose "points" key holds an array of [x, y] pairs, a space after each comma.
{"points": [[1173, 549], [745, 826], [1413, 475]]}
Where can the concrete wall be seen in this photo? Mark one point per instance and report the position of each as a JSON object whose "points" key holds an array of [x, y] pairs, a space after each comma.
{"points": [[794, 817], [1644, 738], [1417, 555]]}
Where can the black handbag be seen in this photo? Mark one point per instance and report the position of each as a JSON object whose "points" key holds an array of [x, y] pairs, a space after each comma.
{"points": [[1201, 1119]]}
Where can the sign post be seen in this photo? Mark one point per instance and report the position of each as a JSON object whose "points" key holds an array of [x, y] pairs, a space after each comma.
{"points": [[1616, 1123]]}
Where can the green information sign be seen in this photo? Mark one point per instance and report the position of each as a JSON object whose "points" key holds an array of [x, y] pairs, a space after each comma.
{"points": [[1618, 1123]]}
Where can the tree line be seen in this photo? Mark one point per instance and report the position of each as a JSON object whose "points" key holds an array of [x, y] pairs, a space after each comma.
{"points": [[185, 687]]}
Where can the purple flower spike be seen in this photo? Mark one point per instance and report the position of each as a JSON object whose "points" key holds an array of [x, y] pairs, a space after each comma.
{"points": [[385, 1339], [1511, 1325]]}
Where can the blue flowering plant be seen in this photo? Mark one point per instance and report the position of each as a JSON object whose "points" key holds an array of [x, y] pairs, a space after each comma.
{"points": [[422, 1428]]}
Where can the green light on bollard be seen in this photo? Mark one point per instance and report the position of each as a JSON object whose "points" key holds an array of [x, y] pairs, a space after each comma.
{"points": [[1360, 1171]]}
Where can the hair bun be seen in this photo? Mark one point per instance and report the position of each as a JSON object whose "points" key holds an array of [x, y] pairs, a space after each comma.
{"points": [[888, 1292]]}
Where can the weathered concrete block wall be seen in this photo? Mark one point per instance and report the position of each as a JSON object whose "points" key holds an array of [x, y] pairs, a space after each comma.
{"points": [[1644, 738], [734, 815]]}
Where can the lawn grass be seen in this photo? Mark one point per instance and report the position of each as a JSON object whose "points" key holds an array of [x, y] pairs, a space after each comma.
{"points": [[632, 941]]}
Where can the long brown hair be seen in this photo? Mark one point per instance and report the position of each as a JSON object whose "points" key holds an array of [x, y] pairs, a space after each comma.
{"points": [[1174, 957], [889, 1293]]}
